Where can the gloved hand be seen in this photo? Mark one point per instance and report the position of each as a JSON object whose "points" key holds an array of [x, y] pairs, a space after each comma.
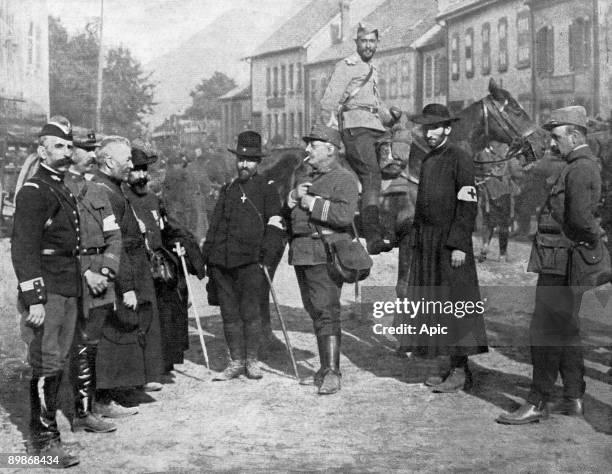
{"points": [[273, 247]]}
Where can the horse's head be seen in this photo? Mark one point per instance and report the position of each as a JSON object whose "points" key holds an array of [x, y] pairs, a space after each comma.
{"points": [[393, 151]]}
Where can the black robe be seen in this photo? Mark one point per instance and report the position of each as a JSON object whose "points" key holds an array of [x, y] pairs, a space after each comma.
{"points": [[444, 220]]}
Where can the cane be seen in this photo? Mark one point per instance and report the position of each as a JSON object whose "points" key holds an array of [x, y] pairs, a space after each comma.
{"points": [[282, 321], [178, 250]]}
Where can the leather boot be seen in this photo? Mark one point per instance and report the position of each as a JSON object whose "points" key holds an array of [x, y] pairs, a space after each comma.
{"points": [[331, 372], [317, 378], [453, 383], [526, 413], [253, 370], [372, 231], [43, 425], [83, 383], [568, 406], [233, 370]]}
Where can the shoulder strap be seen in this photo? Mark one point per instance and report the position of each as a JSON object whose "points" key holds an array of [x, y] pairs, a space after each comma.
{"points": [[354, 92], [59, 195]]}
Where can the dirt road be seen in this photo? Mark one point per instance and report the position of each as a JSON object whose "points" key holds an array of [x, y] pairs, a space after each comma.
{"points": [[383, 420]]}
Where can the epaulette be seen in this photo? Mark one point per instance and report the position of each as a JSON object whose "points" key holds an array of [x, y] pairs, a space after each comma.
{"points": [[351, 60]]}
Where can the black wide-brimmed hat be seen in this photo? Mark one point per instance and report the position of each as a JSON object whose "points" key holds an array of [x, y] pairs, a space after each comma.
{"points": [[434, 114], [88, 142], [143, 153], [249, 145]]}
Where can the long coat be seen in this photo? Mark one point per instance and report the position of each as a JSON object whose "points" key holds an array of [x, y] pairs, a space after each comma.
{"points": [[444, 221], [129, 353], [162, 231]]}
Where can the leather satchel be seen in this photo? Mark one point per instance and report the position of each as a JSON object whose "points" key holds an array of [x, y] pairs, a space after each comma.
{"points": [[347, 260], [549, 254], [589, 265], [164, 268]]}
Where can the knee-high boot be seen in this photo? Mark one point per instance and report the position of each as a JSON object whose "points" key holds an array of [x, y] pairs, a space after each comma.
{"points": [[331, 372]]}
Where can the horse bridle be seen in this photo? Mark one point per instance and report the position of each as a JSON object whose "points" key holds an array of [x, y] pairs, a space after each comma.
{"points": [[491, 108]]}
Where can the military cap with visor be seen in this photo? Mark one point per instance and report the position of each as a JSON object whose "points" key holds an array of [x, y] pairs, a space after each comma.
{"points": [[323, 133]]}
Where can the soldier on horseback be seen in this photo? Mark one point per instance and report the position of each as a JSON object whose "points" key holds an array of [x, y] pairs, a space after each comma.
{"points": [[353, 105]]}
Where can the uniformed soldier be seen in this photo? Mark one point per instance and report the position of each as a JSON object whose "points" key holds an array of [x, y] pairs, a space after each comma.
{"points": [[130, 351], [568, 219], [326, 203], [246, 230], [353, 105], [162, 231], [44, 249], [442, 267], [99, 256]]}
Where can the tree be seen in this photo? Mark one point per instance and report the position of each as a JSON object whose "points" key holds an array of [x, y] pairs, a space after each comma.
{"points": [[127, 95], [204, 97]]}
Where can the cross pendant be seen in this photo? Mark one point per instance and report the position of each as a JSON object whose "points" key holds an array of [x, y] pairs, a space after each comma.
{"points": [[243, 198]]}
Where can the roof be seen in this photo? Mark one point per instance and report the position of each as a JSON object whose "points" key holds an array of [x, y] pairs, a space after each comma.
{"points": [[240, 92], [296, 31], [455, 8], [400, 23], [435, 36]]}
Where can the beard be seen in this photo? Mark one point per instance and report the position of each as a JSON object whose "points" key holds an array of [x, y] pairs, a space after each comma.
{"points": [[139, 186], [244, 174]]}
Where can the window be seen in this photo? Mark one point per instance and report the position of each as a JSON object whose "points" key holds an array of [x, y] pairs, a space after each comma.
{"points": [[545, 53], [392, 81], [523, 28], [275, 125], [31, 44], [580, 44], [268, 82], [324, 82], [502, 36], [455, 57], [269, 126], [486, 49], [405, 78], [291, 125], [300, 123], [290, 77], [469, 53], [439, 71], [38, 48], [382, 81], [428, 77], [283, 79], [284, 126], [275, 82], [314, 103], [299, 77]]}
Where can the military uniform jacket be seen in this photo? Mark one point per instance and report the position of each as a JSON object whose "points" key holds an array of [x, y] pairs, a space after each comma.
{"points": [[348, 74], [447, 196], [333, 212], [163, 231], [45, 240], [241, 222], [134, 272], [99, 233]]}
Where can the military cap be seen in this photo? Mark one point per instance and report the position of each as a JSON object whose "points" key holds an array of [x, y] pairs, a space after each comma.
{"points": [[248, 145], [57, 126], [573, 115], [434, 114], [365, 29], [88, 143], [143, 153], [323, 133]]}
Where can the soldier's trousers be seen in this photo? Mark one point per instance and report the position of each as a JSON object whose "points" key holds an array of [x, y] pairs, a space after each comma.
{"points": [[321, 298], [360, 146], [555, 340], [239, 290]]}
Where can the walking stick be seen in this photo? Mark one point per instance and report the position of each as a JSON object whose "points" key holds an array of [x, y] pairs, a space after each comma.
{"points": [[177, 249], [282, 321]]}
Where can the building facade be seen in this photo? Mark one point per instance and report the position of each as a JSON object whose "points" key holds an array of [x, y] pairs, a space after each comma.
{"points": [[432, 68], [24, 68], [235, 114]]}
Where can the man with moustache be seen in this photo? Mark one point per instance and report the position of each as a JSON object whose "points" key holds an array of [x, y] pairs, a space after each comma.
{"points": [[129, 354], [99, 255], [353, 105], [44, 249], [162, 232], [568, 219], [442, 268], [246, 231], [325, 204]]}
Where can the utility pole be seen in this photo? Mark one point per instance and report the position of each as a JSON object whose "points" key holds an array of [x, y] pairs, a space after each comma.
{"points": [[100, 70]]}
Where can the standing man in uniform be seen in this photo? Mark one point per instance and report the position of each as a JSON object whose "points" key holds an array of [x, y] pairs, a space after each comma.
{"points": [[99, 256], [442, 268], [44, 249], [246, 232], [353, 105], [130, 351], [325, 205], [567, 219], [161, 234]]}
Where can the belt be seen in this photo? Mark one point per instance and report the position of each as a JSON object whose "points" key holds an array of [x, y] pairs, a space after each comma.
{"points": [[367, 108], [312, 235], [93, 251], [59, 253]]}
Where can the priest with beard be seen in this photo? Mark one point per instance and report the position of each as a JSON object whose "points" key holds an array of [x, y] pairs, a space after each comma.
{"points": [[162, 232]]}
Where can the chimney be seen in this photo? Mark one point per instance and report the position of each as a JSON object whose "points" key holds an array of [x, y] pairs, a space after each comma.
{"points": [[345, 20]]}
